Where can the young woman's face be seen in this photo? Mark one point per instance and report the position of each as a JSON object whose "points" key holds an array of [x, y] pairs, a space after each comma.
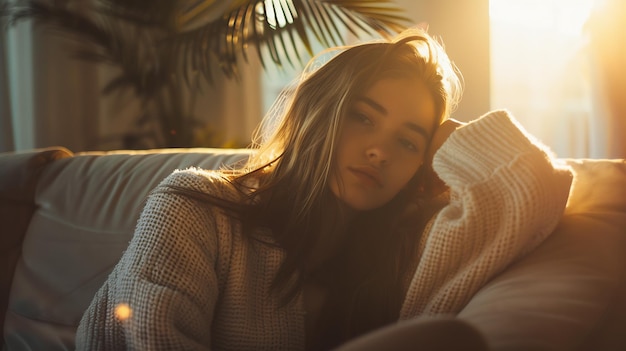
{"points": [[382, 143]]}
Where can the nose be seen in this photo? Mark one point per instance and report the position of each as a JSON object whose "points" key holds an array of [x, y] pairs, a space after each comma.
{"points": [[377, 153]]}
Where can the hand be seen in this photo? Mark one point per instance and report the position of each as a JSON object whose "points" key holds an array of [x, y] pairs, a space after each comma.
{"points": [[433, 185]]}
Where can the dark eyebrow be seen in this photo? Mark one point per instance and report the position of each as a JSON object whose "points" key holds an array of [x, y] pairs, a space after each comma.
{"points": [[412, 126]]}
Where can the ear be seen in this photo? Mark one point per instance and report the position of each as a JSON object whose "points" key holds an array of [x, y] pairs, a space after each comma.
{"points": [[426, 183], [416, 184]]}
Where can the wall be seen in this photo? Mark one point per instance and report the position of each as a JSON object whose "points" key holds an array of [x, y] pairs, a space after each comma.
{"points": [[463, 26]]}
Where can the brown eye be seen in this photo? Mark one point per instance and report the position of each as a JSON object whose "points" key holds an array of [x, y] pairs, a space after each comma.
{"points": [[361, 118], [407, 144]]}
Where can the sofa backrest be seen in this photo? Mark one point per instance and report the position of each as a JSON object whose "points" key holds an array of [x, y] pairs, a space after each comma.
{"points": [[85, 209]]}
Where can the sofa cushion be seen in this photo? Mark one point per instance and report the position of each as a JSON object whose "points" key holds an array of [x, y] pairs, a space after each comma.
{"points": [[569, 294], [87, 207]]}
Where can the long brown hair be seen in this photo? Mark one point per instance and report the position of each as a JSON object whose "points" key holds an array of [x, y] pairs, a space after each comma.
{"points": [[290, 167]]}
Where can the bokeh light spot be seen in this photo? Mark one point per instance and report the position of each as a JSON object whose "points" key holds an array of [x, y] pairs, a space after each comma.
{"points": [[123, 311]]}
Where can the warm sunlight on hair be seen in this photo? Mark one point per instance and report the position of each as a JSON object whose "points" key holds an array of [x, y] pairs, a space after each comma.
{"points": [[123, 312]]}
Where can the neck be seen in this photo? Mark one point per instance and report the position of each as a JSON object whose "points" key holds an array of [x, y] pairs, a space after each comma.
{"points": [[331, 237]]}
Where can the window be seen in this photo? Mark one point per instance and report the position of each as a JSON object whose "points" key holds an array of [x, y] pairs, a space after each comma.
{"points": [[540, 70]]}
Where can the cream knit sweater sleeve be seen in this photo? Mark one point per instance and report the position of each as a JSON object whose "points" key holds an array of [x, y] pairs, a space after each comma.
{"points": [[506, 196], [162, 293]]}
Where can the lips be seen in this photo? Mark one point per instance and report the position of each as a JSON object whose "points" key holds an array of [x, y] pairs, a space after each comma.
{"points": [[368, 174]]}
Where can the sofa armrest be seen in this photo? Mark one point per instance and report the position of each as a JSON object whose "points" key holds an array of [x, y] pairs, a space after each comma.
{"points": [[570, 293], [19, 174]]}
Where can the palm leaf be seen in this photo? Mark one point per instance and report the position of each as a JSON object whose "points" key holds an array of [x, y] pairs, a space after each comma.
{"points": [[151, 39], [107, 39], [282, 27], [156, 13]]}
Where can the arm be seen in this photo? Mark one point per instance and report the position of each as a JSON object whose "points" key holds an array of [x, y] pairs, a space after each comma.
{"points": [[166, 277], [506, 197]]}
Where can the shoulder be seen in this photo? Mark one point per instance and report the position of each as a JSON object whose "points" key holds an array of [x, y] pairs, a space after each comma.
{"points": [[209, 182], [186, 208], [189, 197]]}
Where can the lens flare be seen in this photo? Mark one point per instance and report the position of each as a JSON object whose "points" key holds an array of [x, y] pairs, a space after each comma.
{"points": [[123, 312]]}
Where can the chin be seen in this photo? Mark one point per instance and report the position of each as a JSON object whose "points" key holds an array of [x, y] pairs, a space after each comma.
{"points": [[361, 206]]}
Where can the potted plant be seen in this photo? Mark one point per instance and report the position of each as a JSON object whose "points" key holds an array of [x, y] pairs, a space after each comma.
{"points": [[160, 45]]}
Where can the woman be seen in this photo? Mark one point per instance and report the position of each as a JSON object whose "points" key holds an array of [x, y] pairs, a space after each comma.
{"points": [[337, 226]]}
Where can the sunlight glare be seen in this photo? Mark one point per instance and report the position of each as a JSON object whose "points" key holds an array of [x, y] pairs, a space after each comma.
{"points": [[565, 16], [539, 68], [276, 15]]}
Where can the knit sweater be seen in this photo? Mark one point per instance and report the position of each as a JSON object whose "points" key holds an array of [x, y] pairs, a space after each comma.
{"points": [[189, 280]]}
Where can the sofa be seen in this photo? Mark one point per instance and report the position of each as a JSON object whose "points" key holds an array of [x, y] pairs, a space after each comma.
{"points": [[67, 217]]}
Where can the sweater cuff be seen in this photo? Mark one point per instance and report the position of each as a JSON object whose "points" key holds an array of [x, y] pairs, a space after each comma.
{"points": [[473, 152]]}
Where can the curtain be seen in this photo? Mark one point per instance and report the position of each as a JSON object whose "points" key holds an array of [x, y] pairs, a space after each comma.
{"points": [[607, 30], [12, 135], [7, 142], [45, 94]]}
